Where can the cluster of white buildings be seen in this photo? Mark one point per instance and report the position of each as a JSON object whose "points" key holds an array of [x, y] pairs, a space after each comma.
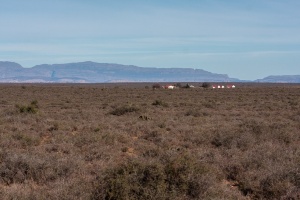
{"points": [[223, 86], [191, 86]]}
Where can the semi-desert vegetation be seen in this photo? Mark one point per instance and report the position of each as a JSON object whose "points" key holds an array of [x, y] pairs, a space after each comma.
{"points": [[118, 141]]}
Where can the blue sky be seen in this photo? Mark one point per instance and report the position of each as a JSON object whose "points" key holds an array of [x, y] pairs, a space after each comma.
{"points": [[246, 39]]}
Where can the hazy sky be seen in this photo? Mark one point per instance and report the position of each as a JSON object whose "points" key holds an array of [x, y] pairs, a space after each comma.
{"points": [[246, 39]]}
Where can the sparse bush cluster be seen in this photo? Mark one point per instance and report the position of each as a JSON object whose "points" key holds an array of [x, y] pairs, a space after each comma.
{"points": [[17, 169], [180, 177]]}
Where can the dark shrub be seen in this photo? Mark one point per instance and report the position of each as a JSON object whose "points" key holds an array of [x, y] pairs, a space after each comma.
{"points": [[205, 85], [194, 113], [179, 177], [156, 86], [31, 108], [159, 103], [186, 86], [144, 117], [123, 110], [133, 180], [18, 169], [178, 85], [272, 187]]}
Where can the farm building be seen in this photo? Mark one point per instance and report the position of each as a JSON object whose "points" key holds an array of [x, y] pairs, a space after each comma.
{"points": [[170, 87], [222, 86], [230, 86]]}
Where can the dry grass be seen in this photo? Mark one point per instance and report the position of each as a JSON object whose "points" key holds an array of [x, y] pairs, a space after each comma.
{"points": [[131, 142]]}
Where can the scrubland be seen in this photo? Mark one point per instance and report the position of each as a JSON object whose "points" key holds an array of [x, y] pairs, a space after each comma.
{"points": [[130, 142]]}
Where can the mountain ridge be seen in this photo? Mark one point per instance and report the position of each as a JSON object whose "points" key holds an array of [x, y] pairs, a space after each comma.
{"points": [[280, 79], [93, 72]]}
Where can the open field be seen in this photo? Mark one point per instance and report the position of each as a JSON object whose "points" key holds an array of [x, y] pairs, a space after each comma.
{"points": [[114, 141]]}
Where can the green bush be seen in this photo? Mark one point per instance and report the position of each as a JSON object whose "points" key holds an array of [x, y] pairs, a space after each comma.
{"points": [[31, 108]]}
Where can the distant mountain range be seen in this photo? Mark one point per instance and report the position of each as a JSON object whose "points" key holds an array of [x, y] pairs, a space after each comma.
{"points": [[91, 72], [281, 79]]}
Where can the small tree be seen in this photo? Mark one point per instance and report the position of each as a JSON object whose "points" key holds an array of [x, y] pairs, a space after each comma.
{"points": [[156, 86], [187, 86], [178, 85], [205, 85]]}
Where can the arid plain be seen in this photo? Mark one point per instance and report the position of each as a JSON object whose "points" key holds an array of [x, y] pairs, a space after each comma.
{"points": [[128, 141]]}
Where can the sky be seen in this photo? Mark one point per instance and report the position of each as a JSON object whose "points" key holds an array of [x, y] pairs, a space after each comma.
{"points": [[246, 39]]}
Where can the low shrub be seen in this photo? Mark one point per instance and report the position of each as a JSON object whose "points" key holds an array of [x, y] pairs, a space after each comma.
{"points": [[210, 104], [19, 168], [26, 140], [145, 117], [160, 103], [195, 113], [31, 108], [178, 177], [123, 110], [54, 127]]}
